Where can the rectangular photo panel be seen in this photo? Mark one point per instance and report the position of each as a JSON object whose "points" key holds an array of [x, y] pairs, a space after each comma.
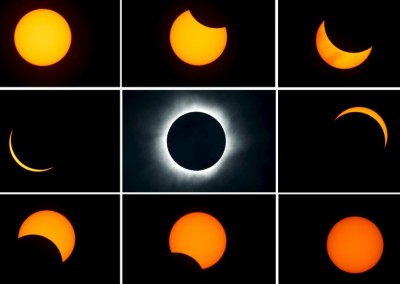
{"points": [[339, 44], [198, 141], [59, 141], [60, 238], [199, 238], [215, 43], [350, 238], [338, 141], [67, 43]]}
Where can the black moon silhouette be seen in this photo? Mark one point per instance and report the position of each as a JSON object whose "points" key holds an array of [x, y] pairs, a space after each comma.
{"points": [[38, 259], [196, 141]]}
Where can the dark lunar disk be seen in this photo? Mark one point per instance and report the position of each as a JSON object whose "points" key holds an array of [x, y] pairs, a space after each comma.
{"points": [[196, 141]]}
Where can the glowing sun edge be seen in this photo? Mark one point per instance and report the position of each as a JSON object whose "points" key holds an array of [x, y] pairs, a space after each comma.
{"points": [[195, 104]]}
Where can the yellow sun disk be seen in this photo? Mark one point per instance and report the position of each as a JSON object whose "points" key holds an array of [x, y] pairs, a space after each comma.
{"points": [[200, 236], [53, 226], [372, 114], [336, 57], [195, 43], [22, 165], [42, 37]]}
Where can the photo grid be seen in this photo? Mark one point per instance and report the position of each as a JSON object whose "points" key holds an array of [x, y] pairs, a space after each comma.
{"points": [[199, 141]]}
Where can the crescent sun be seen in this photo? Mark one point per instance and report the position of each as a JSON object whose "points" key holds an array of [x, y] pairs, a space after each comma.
{"points": [[370, 113], [20, 163], [336, 57]]}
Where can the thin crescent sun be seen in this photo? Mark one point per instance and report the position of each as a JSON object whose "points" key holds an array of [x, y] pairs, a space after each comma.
{"points": [[195, 43], [20, 163], [336, 57], [370, 113]]}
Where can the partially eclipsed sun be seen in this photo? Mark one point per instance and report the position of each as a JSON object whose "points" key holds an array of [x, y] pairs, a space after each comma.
{"points": [[200, 236], [336, 57], [52, 226], [370, 113], [22, 165], [195, 43]]}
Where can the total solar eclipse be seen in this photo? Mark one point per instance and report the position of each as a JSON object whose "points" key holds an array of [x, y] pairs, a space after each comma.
{"points": [[196, 141]]}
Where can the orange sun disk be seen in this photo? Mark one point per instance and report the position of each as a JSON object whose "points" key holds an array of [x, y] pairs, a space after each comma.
{"points": [[42, 37], [355, 244], [52, 226], [195, 43], [200, 236]]}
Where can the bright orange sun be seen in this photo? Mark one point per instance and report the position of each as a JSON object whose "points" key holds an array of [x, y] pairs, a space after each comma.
{"points": [[52, 226], [355, 244], [195, 43], [42, 37], [200, 236]]}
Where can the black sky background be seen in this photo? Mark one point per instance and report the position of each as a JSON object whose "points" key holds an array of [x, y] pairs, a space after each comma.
{"points": [[251, 115], [76, 132], [96, 255], [94, 55], [248, 220], [352, 25], [248, 59], [304, 225], [319, 154]]}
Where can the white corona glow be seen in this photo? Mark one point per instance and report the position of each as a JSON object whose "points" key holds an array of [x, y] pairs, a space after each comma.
{"points": [[195, 104]]}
